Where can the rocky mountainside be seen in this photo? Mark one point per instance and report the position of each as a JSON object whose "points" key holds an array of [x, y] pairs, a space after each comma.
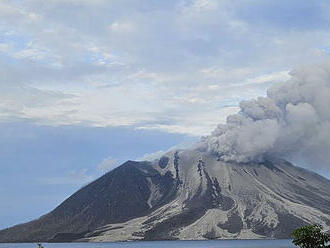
{"points": [[186, 194]]}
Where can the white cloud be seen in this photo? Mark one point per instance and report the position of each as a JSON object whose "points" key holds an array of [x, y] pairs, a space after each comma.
{"points": [[122, 27], [5, 47], [178, 66], [29, 53], [208, 120], [151, 156], [158, 154], [108, 164], [280, 76]]}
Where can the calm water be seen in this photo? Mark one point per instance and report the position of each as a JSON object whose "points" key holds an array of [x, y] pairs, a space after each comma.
{"points": [[167, 244]]}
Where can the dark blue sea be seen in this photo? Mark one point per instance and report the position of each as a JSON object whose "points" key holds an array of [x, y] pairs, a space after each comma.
{"points": [[165, 244]]}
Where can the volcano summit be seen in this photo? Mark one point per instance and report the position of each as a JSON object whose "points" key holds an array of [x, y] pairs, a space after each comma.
{"points": [[186, 194]]}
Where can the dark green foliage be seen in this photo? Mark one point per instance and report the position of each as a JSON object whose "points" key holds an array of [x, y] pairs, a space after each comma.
{"points": [[311, 237]]}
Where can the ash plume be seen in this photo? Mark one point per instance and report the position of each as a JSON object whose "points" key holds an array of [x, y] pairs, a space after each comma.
{"points": [[293, 120]]}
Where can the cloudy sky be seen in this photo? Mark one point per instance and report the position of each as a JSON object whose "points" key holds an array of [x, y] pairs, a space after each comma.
{"points": [[88, 84]]}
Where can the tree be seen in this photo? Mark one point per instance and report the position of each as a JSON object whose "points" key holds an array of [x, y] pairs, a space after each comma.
{"points": [[311, 237]]}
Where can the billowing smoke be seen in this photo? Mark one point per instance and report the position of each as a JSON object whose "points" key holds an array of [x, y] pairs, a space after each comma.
{"points": [[293, 120]]}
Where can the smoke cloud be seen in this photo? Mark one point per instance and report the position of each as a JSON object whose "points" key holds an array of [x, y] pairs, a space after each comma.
{"points": [[293, 120]]}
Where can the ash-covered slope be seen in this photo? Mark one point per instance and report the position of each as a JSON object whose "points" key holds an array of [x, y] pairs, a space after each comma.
{"points": [[118, 196], [186, 195]]}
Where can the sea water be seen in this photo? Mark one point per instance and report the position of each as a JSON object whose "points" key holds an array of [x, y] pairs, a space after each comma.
{"points": [[165, 244]]}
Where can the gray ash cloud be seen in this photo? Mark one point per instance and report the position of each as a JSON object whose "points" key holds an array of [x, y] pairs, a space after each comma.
{"points": [[293, 120]]}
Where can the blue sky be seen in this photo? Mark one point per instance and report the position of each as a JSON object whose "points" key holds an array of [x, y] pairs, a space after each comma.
{"points": [[87, 84], [42, 165]]}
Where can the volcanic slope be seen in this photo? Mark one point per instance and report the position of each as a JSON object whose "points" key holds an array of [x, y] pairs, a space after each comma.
{"points": [[186, 194]]}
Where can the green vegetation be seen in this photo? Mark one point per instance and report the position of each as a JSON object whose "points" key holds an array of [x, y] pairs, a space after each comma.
{"points": [[311, 237]]}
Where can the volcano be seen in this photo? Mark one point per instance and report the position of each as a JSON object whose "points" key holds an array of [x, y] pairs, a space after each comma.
{"points": [[186, 195]]}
